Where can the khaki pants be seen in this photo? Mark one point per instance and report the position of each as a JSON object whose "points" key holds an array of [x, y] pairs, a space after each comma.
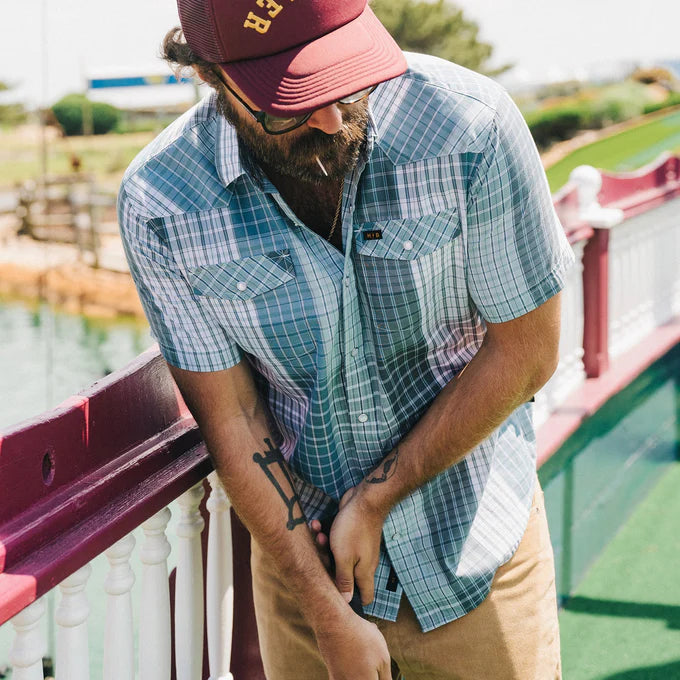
{"points": [[512, 635]]}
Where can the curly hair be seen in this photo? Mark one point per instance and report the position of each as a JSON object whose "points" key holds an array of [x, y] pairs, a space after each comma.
{"points": [[176, 51]]}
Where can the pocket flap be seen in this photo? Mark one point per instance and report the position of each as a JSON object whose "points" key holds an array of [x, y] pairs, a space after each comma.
{"points": [[245, 278], [409, 239]]}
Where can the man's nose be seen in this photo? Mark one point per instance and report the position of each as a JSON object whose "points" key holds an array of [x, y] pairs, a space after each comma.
{"points": [[328, 119]]}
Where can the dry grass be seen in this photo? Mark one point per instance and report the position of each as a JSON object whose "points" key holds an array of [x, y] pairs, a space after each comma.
{"points": [[105, 156]]}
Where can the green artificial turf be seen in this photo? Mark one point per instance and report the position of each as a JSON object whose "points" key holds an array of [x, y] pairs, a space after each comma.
{"points": [[622, 152], [623, 622]]}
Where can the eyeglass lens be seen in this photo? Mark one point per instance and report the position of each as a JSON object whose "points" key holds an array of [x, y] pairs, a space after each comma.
{"points": [[276, 124]]}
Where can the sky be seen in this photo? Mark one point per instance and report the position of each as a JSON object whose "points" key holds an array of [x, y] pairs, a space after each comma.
{"points": [[70, 40]]}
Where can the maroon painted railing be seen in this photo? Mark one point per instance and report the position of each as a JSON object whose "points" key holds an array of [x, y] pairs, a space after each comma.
{"points": [[76, 479], [633, 193], [642, 190]]}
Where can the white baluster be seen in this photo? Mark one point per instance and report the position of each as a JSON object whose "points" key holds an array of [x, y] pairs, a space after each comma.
{"points": [[73, 660], [29, 644], [588, 182], [118, 641], [154, 630], [189, 587], [220, 586]]}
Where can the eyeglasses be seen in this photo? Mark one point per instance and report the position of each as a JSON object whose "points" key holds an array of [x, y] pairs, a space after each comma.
{"points": [[275, 125]]}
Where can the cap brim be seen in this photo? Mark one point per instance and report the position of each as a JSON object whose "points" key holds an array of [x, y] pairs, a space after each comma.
{"points": [[351, 58]]}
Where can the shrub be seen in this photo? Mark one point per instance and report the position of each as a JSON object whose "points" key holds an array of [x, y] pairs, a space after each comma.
{"points": [[673, 99], [615, 103], [592, 109], [555, 125], [12, 114], [69, 112]]}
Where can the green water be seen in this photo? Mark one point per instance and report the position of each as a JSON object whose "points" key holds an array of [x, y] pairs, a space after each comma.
{"points": [[47, 356]]}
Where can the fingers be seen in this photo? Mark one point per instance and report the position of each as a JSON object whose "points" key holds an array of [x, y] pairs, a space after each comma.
{"points": [[319, 537], [344, 576], [321, 542], [364, 576]]}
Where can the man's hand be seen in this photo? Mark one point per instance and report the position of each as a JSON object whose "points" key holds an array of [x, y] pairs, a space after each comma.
{"points": [[355, 543], [354, 649]]}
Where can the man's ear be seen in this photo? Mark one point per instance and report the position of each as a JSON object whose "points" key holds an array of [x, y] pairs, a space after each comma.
{"points": [[204, 74]]}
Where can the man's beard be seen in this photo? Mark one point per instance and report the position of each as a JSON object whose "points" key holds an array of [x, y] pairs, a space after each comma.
{"points": [[295, 154]]}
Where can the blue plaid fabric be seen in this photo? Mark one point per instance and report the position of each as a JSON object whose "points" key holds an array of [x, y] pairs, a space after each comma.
{"points": [[349, 349]]}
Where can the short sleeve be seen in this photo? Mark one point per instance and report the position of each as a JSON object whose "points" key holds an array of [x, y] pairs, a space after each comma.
{"points": [[186, 333], [517, 252]]}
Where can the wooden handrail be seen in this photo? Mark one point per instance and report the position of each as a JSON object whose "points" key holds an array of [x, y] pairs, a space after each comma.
{"points": [[78, 478]]}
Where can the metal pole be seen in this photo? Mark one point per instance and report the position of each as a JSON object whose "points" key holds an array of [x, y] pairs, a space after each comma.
{"points": [[44, 94], [51, 632]]}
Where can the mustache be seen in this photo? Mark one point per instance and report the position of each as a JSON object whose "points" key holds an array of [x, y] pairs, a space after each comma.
{"points": [[316, 142]]}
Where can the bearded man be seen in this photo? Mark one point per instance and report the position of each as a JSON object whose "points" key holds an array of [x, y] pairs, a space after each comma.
{"points": [[351, 263]]}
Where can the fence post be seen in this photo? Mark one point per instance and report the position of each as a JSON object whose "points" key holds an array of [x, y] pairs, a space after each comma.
{"points": [[189, 586], [29, 644], [154, 630], [595, 269], [118, 661], [73, 653]]}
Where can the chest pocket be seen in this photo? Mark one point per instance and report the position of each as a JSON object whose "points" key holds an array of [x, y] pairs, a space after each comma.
{"points": [[262, 306], [407, 279], [408, 239], [243, 279]]}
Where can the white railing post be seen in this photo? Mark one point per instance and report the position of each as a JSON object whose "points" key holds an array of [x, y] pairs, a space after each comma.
{"points": [[154, 619], [220, 585], [570, 372], [588, 181], [73, 654], [118, 638], [189, 587], [29, 644]]}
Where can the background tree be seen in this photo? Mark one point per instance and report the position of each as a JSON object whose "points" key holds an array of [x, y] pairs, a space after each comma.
{"points": [[437, 28], [12, 113], [69, 112]]}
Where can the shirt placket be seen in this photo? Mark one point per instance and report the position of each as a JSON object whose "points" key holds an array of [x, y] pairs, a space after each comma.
{"points": [[361, 401]]}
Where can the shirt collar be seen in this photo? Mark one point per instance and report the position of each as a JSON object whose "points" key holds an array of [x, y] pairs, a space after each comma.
{"points": [[227, 157]]}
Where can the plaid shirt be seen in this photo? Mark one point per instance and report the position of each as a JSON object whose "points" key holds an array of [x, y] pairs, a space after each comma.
{"points": [[349, 349]]}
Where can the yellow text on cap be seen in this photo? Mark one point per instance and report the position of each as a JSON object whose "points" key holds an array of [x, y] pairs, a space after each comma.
{"points": [[258, 23]]}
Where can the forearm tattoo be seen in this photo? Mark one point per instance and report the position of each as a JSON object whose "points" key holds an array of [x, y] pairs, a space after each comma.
{"points": [[385, 469], [271, 460]]}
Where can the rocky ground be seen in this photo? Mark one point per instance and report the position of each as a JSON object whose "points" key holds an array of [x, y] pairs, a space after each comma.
{"points": [[62, 275]]}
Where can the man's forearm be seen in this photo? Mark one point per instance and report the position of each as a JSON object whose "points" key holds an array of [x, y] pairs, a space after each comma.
{"points": [[257, 480]]}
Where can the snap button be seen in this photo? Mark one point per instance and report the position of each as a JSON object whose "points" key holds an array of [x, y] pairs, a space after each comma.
{"points": [[362, 418], [408, 245], [241, 285]]}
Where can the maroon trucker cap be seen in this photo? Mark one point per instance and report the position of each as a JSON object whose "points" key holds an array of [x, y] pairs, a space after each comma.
{"points": [[293, 56]]}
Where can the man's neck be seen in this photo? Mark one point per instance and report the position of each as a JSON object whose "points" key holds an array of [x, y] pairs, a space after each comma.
{"points": [[314, 203]]}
